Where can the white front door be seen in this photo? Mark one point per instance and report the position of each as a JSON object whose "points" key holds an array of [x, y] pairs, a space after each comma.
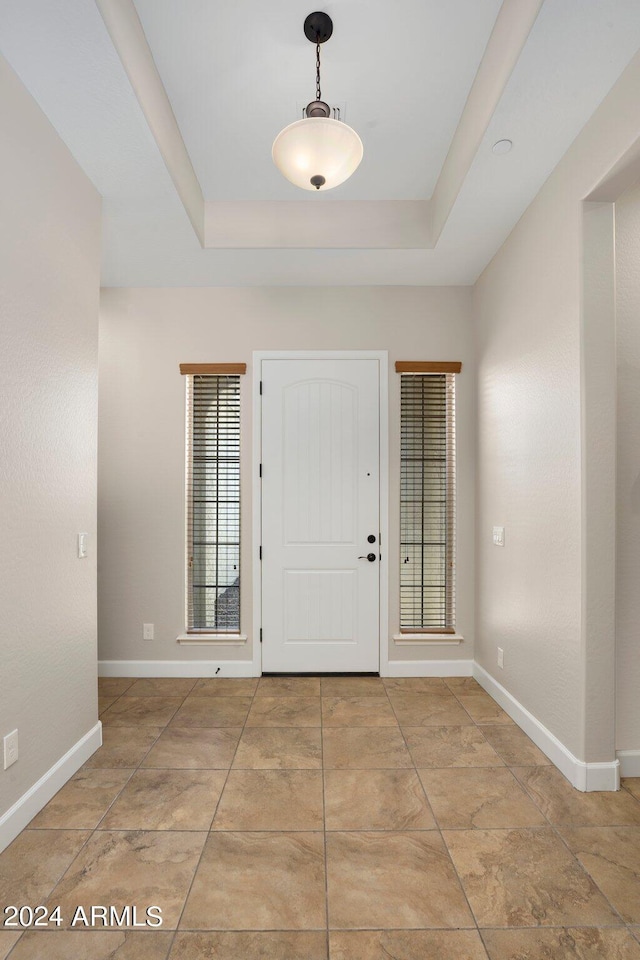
{"points": [[320, 515]]}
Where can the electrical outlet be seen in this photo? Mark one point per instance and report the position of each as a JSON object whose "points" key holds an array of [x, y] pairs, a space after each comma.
{"points": [[498, 536], [501, 658], [147, 631], [10, 748]]}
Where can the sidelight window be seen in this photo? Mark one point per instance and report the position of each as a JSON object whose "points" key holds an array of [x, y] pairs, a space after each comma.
{"points": [[213, 503], [427, 502]]}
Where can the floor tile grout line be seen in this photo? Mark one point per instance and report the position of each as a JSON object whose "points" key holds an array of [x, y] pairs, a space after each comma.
{"points": [[91, 831], [208, 834], [149, 696], [324, 824], [555, 830], [426, 796], [360, 929], [128, 780], [133, 769], [479, 722], [444, 844], [555, 926], [106, 709], [404, 739], [574, 857], [459, 701], [465, 709], [455, 870], [626, 789], [48, 895], [549, 825], [536, 827], [484, 942], [13, 946], [559, 836], [580, 793], [102, 712], [118, 695], [162, 728]]}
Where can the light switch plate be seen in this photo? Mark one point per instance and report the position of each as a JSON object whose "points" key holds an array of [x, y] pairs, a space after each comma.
{"points": [[498, 536], [10, 743]]}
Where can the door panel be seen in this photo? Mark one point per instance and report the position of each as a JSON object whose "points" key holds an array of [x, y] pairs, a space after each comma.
{"points": [[320, 502], [318, 445], [319, 605]]}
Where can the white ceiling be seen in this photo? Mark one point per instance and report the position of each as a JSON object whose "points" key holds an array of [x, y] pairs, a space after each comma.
{"points": [[404, 70]]}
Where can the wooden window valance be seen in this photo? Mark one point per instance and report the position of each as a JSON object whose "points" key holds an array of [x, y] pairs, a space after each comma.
{"points": [[212, 368], [428, 366]]}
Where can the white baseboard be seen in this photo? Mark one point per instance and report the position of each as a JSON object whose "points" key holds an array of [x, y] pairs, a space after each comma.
{"points": [[246, 668], [629, 762], [599, 776], [428, 668], [176, 668], [24, 810], [583, 776]]}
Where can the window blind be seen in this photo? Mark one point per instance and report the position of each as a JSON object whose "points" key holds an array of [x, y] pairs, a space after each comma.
{"points": [[213, 503], [427, 503]]}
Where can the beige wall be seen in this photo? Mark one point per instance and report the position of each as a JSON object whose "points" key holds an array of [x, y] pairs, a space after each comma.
{"points": [[529, 341], [144, 335], [628, 470], [49, 285]]}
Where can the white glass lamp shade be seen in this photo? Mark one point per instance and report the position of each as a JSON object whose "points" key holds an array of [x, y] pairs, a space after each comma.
{"points": [[317, 147]]}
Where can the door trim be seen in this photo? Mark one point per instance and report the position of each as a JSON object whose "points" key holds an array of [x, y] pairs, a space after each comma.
{"points": [[382, 356]]}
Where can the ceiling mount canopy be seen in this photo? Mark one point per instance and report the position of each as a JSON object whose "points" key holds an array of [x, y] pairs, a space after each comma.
{"points": [[318, 27], [320, 151]]}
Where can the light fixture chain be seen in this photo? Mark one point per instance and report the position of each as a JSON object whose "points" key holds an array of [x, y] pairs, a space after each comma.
{"points": [[330, 151], [318, 91]]}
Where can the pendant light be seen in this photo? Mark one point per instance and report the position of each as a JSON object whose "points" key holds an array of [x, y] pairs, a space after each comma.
{"points": [[318, 152]]}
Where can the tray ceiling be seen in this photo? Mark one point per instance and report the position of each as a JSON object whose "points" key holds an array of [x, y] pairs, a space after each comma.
{"points": [[402, 72]]}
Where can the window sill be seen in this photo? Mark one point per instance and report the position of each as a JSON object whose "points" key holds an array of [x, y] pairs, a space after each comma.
{"points": [[212, 639], [442, 639]]}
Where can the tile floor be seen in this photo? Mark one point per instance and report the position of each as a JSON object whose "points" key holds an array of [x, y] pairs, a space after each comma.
{"points": [[345, 817]]}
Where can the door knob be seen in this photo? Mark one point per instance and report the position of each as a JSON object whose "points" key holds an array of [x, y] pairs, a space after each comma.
{"points": [[370, 557]]}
